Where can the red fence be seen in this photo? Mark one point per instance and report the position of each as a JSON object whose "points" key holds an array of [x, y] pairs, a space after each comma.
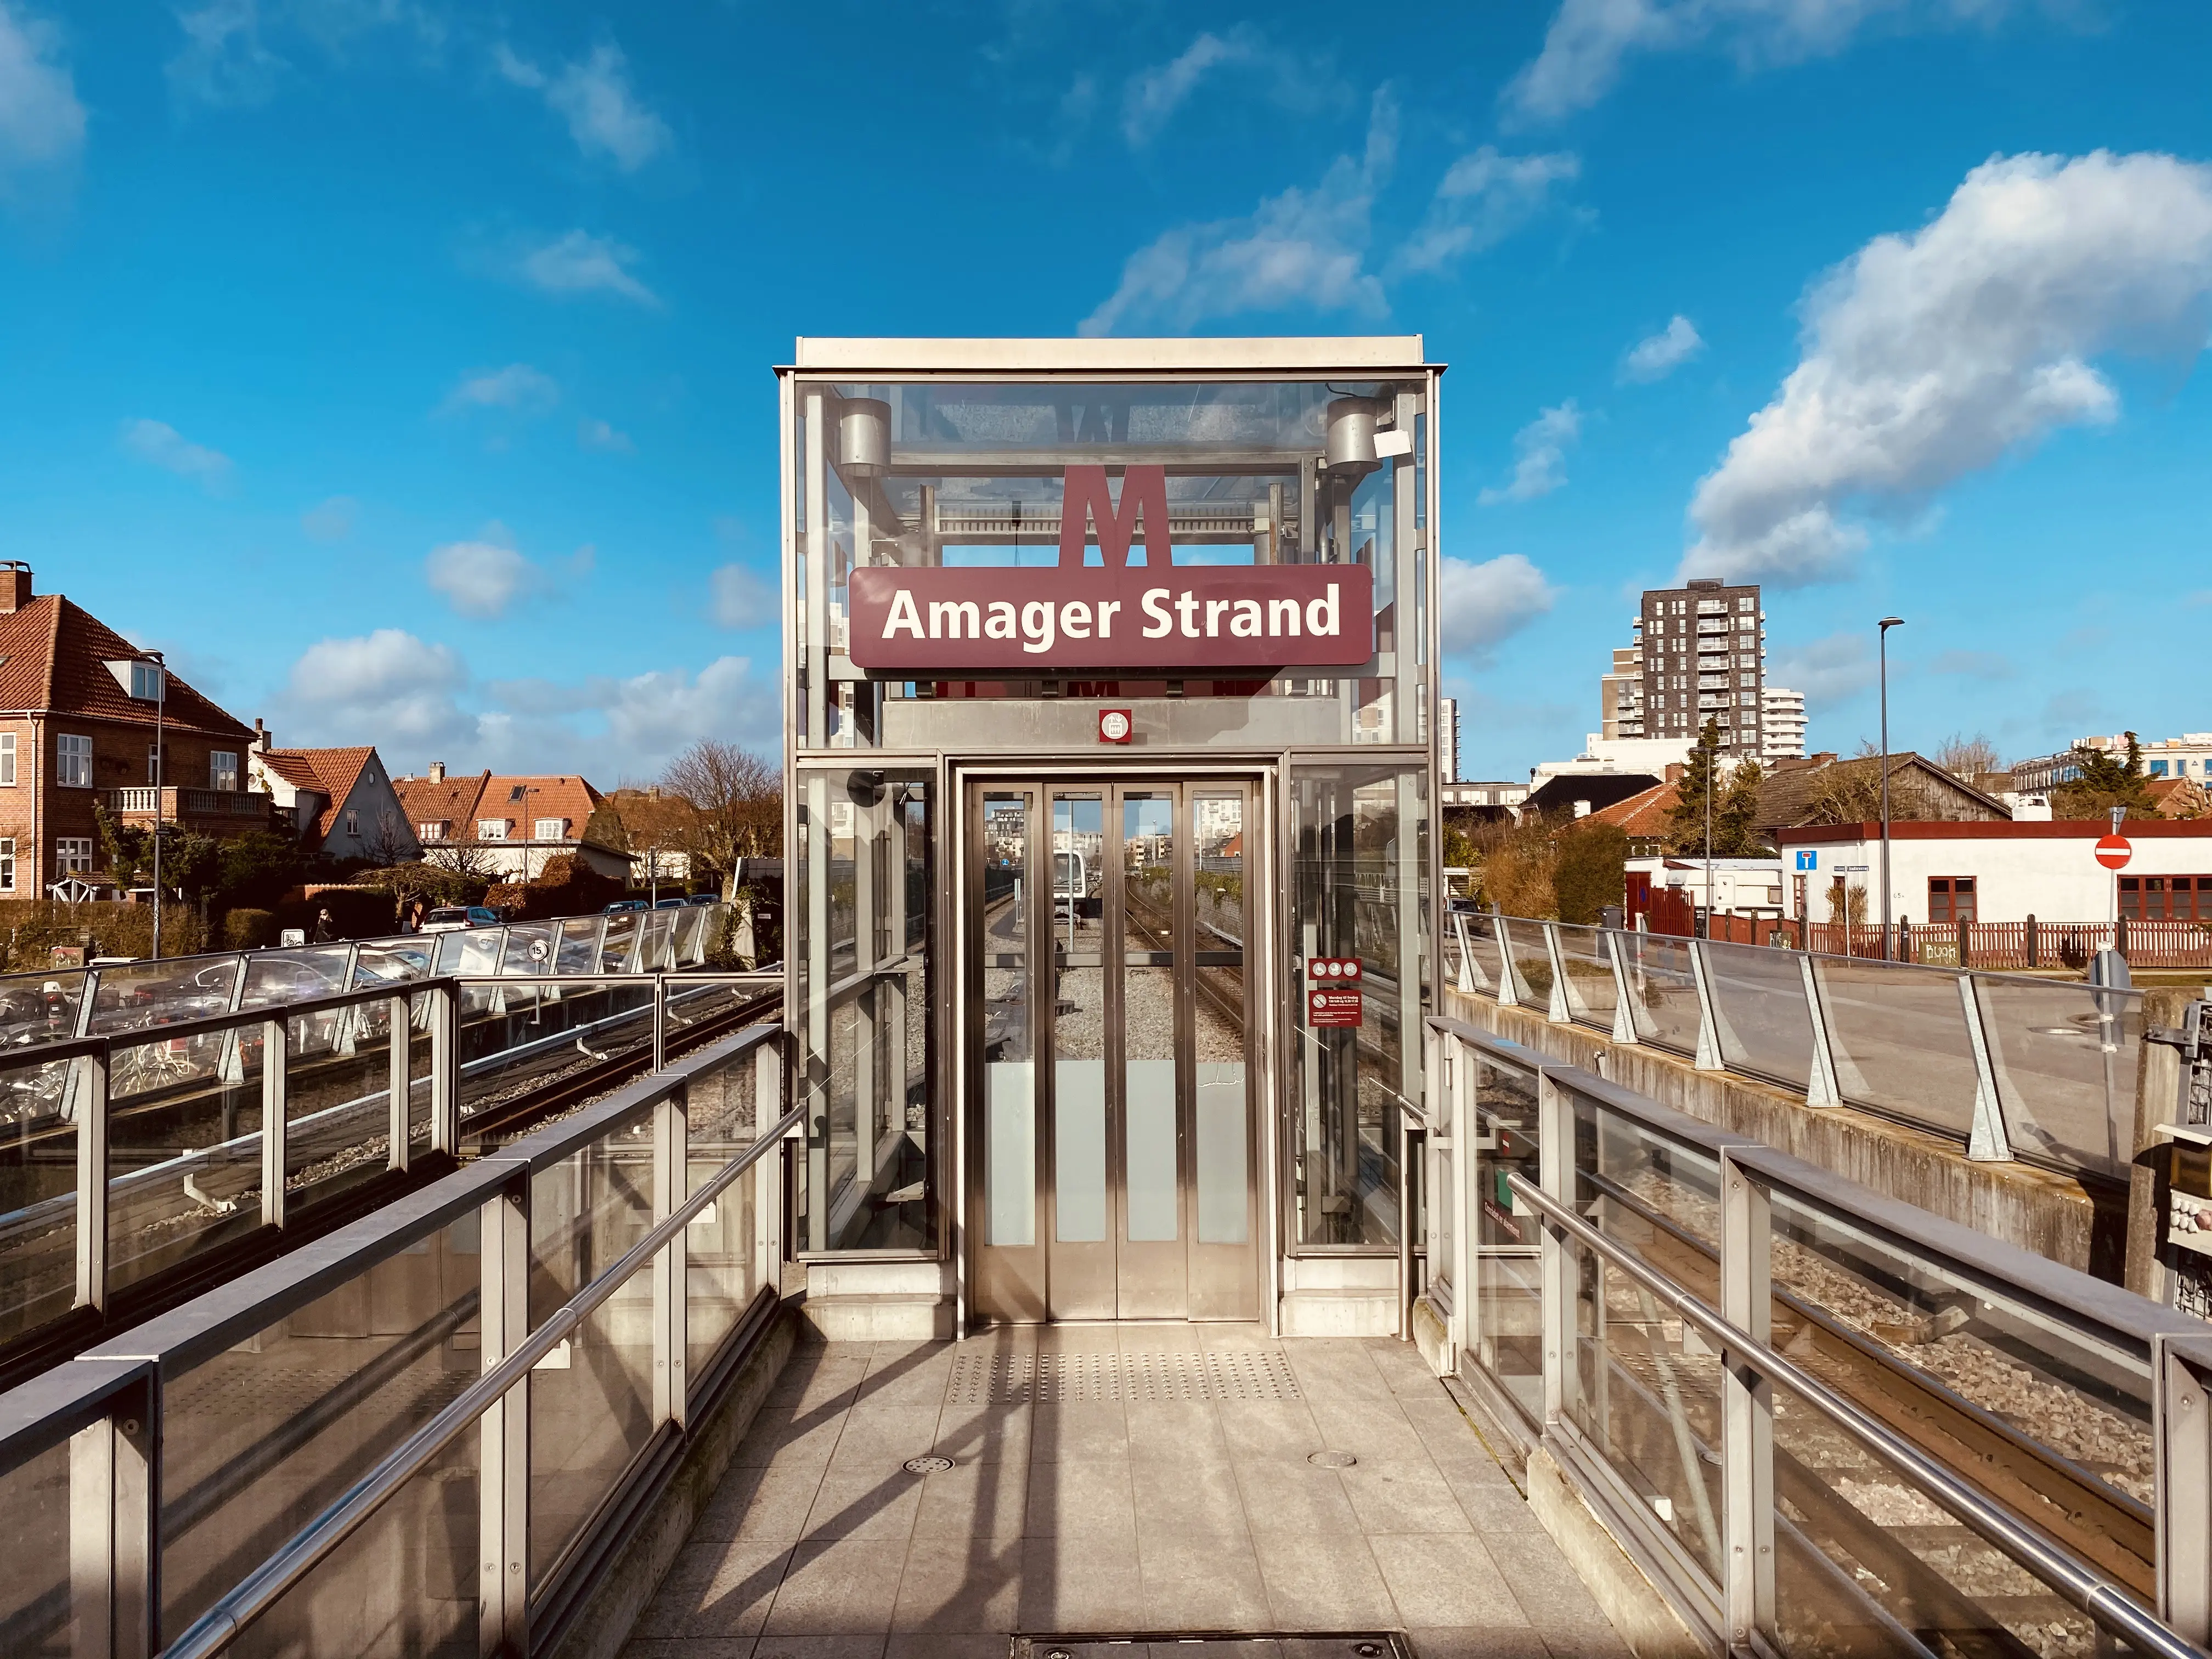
{"points": [[2011, 945]]}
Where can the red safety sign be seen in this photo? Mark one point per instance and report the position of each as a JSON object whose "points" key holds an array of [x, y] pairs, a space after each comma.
{"points": [[2113, 852], [1332, 970], [1332, 1004]]}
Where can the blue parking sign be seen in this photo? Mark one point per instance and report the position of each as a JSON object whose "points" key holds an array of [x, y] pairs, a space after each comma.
{"points": [[1808, 860]]}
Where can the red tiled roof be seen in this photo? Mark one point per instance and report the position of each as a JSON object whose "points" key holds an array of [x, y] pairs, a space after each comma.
{"points": [[333, 772], [53, 657], [451, 800], [1642, 816], [464, 801]]}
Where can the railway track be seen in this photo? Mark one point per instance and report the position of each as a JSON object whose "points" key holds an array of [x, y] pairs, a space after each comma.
{"points": [[328, 1190], [1847, 1503]]}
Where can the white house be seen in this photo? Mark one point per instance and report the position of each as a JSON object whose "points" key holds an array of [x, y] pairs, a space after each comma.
{"points": [[1999, 872]]}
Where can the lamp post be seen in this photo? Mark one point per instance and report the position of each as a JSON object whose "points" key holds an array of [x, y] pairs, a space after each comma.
{"points": [[1882, 631]]}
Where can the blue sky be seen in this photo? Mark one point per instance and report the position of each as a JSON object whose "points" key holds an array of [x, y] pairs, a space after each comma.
{"points": [[402, 367]]}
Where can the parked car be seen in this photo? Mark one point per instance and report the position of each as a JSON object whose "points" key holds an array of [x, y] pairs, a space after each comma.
{"points": [[670, 903], [621, 905], [703, 898], [451, 918]]}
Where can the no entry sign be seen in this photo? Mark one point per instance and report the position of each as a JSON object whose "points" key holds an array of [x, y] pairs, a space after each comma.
{"points": [[2113, 852]]}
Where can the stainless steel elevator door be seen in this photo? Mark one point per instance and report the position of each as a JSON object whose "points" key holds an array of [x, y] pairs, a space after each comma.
{"points": [[1136, 1137]]}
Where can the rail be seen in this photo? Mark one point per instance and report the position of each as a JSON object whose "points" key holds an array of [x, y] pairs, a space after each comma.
{"points": [[1825, 1420], [193, 1474], [2012, 1066], [137, 1155]]}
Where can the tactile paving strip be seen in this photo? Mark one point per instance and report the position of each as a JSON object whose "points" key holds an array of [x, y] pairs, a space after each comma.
{"points": [[1248, 1374]]}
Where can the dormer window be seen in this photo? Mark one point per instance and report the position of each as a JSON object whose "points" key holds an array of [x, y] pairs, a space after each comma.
{"points": [[146, 681]]}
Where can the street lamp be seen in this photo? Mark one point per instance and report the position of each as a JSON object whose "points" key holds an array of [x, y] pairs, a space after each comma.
{"points": [[1882, 629]]}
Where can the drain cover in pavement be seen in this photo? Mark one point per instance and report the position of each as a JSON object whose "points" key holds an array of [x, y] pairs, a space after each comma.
{"points": [[1334, 1459], [1218, 1644], [931, 1465]]}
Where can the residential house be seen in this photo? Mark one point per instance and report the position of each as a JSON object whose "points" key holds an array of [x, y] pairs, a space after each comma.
{"points": [[80, 707], [506, 827], [1821, 788], [1643, 817], [340, 801]]}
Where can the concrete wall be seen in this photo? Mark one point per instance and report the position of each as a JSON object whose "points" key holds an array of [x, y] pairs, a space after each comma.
{"points": [[2053, 1215]]}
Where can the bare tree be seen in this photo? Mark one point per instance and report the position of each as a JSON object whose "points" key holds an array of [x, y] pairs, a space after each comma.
{"points": [[388, 844], [465, 858], [1967, 758], [736, 799]]}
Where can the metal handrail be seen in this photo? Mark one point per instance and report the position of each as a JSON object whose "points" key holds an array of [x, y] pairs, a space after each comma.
{"points": [[2098, 1597], [260, 1589]]}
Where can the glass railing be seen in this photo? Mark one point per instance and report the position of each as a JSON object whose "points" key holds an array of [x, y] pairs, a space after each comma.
{"points": [[2010, 1064], [129, 1157], [1833, 1424], [625, 1242]]}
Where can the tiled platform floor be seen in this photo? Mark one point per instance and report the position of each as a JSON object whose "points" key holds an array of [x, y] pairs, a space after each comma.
{"points": [[1113, 1516]]}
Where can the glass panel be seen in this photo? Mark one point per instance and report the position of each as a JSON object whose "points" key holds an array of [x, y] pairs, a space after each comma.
{"points": [[338, 1099], [38, 1197], [260, 1438], [1900, 1041], [275, 976], [1079, 1020], [1590, 994], [2064, 1057], [722, 1118], [579, 949], [1009, 1152], [1656, 1190], [530, 947], [1646, 1390], [1511, 1319], [1148, 1018], [36, 1614], [387, 960], [1863, 1556], [39, 1007], [133, 996], [591, 1398], [1222, 1108], [183, 1138], [620, 952], [1532, 961], [864, 989], [1663, 990], [1487, 960], [1358, 889], [1759, 1008]]}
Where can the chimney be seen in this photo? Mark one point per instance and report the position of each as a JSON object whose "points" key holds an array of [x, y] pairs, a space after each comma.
{"points": [[437, 771], [263, 739], [14, 585]]}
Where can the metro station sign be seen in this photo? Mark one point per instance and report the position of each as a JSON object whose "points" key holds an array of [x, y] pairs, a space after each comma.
{"points": [[1036, 623]]}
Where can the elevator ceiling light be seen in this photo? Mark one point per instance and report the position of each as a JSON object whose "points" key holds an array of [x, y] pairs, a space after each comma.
{"points": [[864, 437]]}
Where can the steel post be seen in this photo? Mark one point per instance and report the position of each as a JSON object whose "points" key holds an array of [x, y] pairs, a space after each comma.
{"points": [[1709, 1028], [1746, 1409], [276, 1061], [1555, 1166], [671, 1140], [399, 1082], [114, 1553], [2181, 1427], [90, 1073], [1822, 1087], [503, 1431]]}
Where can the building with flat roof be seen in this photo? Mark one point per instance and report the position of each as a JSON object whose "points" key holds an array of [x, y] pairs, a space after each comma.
{"points": [[1782, 723], [1701, 651]]}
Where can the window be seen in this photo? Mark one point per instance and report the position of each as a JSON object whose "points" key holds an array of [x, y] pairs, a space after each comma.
{"points": [[153, 764], [517, 792], [1745, 602], [491, 829], [146, 682], [551, 829], [73, 854], [2167, 898], [352, 822], [73, 765], [430, 831], [223, 770], [1747, 624], [1950, 898], [7, 866], [6, 758], [2158, 768]]}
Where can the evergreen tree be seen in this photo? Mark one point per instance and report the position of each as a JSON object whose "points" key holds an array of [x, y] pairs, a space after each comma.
{"points": [[1734, 803], [2104, 782]]}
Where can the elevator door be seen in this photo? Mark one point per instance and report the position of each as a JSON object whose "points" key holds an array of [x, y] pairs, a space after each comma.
{"points": [[1119, 1169]]}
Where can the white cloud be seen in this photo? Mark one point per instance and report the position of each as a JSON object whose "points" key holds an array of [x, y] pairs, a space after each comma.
{"points": [[517, 387], [42, 121], [1539, 455], [598, 435], [579, 262], [742, 598], [330, 521], [483, 578], [158, 442], [1484, 603], [1302, 248], [1930, 356], [594, 96], [1826, 671], [388, 688], [1657, 355], [1483, 198], [1153, 95], [1591, 40], [223, 61]]}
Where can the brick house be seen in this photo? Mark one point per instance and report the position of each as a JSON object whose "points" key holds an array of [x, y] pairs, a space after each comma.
{"points": [[340, 801], [78, 706], [507, 828]]}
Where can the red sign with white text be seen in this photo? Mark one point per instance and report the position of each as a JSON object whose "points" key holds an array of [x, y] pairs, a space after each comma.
{"points": [[1035, 623], [1332, 991]]}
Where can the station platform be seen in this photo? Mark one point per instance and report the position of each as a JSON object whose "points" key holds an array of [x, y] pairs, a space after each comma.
{"points": [[1115, 1481]]}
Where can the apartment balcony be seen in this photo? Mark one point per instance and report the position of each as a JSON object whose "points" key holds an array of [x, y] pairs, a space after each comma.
{"points": [[198, 808]]}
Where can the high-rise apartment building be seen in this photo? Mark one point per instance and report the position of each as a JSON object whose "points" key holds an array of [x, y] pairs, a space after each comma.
{"points": [[1782, 724], [1702, 652], [1448, 740], [1620, 695]]}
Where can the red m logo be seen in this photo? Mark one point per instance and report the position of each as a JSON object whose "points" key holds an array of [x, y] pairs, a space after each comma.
{"points": [[1144, 490]]}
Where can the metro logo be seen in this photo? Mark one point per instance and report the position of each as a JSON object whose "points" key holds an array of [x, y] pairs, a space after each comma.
{"points": [[1080, 616]]}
